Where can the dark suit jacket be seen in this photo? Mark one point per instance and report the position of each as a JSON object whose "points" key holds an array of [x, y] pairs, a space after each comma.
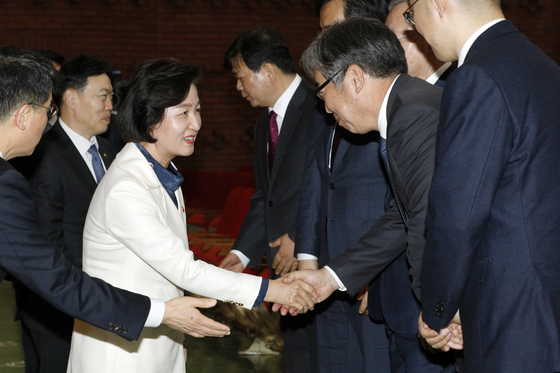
{"points": [[343, 203], [62, 187], [494, 217], [274, 206], [412, 117], [28, 255]]}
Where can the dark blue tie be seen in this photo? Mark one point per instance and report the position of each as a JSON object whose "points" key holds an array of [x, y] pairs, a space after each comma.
{"points": [[383, 151], [97, 165]]}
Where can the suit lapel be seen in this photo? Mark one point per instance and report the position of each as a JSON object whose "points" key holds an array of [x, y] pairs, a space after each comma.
{"points": [[290, 122], [393, 103], [73, 157]]}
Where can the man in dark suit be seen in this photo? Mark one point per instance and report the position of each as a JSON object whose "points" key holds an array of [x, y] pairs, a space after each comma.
{"points": [[62, 178], [494, 209], [377, 94], [266, 77], [342, 194], [25, 251]]}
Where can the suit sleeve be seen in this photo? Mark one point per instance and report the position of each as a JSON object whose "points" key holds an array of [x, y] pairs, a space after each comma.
{"points": [[416, 125], [252, 240], [28, 255], [307, 241], [474, 142], [134, 219], [374, 252]]}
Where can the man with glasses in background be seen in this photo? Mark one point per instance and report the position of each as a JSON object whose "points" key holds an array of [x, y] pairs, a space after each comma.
{"points": [[494, 215], [63, 173]]}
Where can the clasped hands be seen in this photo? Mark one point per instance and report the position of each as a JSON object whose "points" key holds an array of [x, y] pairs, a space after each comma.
{"points": [[450, 337]]}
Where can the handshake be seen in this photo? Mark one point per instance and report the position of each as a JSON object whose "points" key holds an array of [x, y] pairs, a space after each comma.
{"points": [[299, 291]]}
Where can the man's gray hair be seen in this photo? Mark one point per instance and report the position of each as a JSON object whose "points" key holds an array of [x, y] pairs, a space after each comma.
{"points": [[394, 3], [364, 42]]}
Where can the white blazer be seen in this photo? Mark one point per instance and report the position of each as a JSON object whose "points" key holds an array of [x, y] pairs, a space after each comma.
{"points": [[136, 239]]}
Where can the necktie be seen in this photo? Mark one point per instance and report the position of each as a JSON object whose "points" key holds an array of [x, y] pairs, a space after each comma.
{"points": [[97, 165], [383, 151], [272, 139]]}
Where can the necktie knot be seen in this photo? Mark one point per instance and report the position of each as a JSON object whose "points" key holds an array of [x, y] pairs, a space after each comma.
{"points": [[98, 168]]}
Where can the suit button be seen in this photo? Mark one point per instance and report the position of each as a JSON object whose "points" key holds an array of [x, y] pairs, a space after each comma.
{"points": [[270, 203], [439, 309], [331, 186]]}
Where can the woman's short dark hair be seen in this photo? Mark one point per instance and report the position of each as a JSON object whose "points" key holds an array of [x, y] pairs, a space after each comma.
{"points": [[154, 86]]}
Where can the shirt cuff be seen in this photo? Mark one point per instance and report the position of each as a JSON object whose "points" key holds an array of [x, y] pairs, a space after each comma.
{"points": [[244, 260], [306, 257], [341, 286], [157, 310], [262, 293]]}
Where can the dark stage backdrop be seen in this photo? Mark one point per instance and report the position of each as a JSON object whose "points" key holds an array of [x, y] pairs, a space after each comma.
{"points": [[129, 31]]}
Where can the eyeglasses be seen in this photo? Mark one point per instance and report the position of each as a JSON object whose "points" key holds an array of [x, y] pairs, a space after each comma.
{"points": [[319, 89], [407, 36], [409, 14], [51, 110]]}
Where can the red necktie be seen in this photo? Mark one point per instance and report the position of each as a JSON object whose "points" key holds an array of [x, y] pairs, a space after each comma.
{"points": [[272, 139]]}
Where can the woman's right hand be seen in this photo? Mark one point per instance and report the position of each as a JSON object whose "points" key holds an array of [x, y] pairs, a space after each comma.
{"points": [[298, 294]]}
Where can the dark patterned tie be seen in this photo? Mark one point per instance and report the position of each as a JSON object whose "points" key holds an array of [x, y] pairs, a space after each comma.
{"points": [[383, 151], [97, 165], [272, 139]]}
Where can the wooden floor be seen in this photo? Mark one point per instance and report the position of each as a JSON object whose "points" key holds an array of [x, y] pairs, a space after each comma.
{"points": [[205, 355]]}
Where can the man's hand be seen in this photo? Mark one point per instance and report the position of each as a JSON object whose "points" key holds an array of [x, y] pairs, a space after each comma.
{"points": [[296, 295], [181, 314], [232, 263], [321, 280], [308, 264], [363, 296], [450, 337], [284, 261]]}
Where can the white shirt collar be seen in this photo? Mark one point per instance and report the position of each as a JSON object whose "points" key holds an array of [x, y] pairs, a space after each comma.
{"points": [[472, 39], [1, 156], [382, 120], [435, 76], [80, 142], [281, 105]]}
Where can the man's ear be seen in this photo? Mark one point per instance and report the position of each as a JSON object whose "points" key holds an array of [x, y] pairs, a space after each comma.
{"points": [[269, 71], [355, 76], [22, 116], [70, 98], [441, 7]]}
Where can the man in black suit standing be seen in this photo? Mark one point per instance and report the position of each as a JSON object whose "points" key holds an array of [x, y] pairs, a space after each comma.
{"points": [[266, 77], [63, 176], [494, 216], [25, 252], [369, 93]]}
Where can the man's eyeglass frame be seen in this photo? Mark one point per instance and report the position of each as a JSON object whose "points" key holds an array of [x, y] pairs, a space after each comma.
{"points": [[409, 14], [322, 86], [51, 110]]}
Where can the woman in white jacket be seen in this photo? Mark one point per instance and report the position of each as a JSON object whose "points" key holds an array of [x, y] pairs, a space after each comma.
{"points": [[135, 234]]}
